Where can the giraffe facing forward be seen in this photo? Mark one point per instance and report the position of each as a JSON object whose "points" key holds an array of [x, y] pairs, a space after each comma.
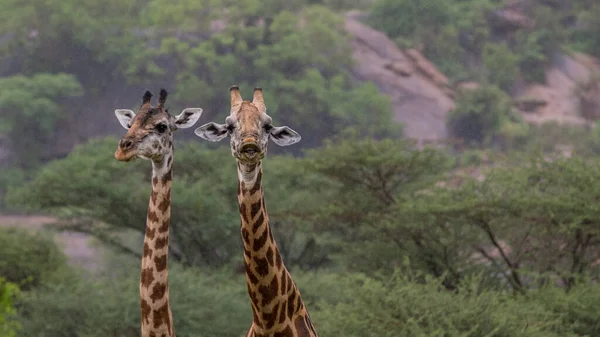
{"points": [[276, 303], [150, 136]]}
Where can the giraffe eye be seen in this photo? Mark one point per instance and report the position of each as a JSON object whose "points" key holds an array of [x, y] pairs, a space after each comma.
{"points": [[161, 128], [268, 127]]}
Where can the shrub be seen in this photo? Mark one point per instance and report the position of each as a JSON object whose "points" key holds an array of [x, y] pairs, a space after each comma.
{"points": [[478, 114], [501, 65], [9, 326], [207, 303], [400, 307], [28, 259]]}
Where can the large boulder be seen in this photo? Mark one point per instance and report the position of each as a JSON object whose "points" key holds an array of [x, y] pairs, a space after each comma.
{"points": [[419, 92]]}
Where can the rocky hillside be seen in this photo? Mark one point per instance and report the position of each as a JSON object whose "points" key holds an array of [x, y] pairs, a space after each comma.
{"points": [[422, 95], [421, 64]]}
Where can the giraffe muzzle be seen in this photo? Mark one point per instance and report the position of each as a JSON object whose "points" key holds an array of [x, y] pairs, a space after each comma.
{"points": [[250, 150], [125, 150]]}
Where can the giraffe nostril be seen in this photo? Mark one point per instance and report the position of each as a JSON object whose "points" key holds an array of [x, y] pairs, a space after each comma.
{"points": [[126, 144]]}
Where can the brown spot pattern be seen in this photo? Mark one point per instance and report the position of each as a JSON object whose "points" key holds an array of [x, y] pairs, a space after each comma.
{"points": [[269, 318], [158, 291], [260, 241], [167, 177], [164, 204], [243, 213], [301, 326], [282, 315], [257, 184], [160, 262], [290, 304], [270, 256], [147, 277], [254, 208], [270, 264], [253, 298], [161, 242], [150, 232], [165, 226], [153, 196], [161, 316], [245, 235], [147, 250], [259, 223], [145, 311], [262, 266], [253, 279], [152, 217], [269, 292]]}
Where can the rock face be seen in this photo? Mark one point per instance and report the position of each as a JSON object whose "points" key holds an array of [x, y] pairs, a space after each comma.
{"points": [[419, 92], [570, 95], [422, 96]]}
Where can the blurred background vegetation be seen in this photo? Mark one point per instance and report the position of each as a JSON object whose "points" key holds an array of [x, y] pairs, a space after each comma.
{"points": [[492, 231]]}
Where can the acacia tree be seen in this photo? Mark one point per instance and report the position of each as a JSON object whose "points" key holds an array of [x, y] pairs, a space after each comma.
{"points": [[536, 221]]}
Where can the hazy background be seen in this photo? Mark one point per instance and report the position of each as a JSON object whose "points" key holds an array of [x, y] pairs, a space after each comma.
{"points": [[447, 182]]}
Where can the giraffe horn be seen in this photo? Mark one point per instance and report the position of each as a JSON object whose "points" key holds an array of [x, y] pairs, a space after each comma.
{"points": [[146, 98], [162, 98], [236, 98], [258, 100]]}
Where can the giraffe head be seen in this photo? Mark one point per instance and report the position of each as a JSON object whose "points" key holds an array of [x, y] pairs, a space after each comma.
{"points": [[150, 130], [249, 128]]}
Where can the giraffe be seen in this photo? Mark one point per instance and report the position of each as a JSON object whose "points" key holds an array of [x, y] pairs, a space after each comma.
{"points": [[150, 136], [278, 309]]}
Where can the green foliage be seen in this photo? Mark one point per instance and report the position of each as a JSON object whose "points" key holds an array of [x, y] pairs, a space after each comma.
{"points": [[501, 65], [298, 51], [31, 106], [589, 38], [10, 177], [210, 303], [408, 18], [371, 177], [91, 184], [28, 259], [400, 307], [547, 199], [9, 326], [459, 37], [532, 56], [303, 56], [478, 114], [102, 36]]}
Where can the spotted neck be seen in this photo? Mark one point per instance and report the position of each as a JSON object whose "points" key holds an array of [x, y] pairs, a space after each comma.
{"points": [[277, 306], [157, 320]]}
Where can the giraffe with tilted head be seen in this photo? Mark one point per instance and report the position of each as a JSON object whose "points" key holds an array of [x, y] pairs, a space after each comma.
{"points": [[150, 136], [276, 303]]}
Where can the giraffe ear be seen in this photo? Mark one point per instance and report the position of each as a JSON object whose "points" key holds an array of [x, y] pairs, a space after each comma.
{"points": [[212, 132], [188, 117], [125, 116], [284, 136]]}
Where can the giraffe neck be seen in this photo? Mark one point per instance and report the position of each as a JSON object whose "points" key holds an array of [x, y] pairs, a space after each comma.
{"points": [[276, 303], [157, 320]]}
